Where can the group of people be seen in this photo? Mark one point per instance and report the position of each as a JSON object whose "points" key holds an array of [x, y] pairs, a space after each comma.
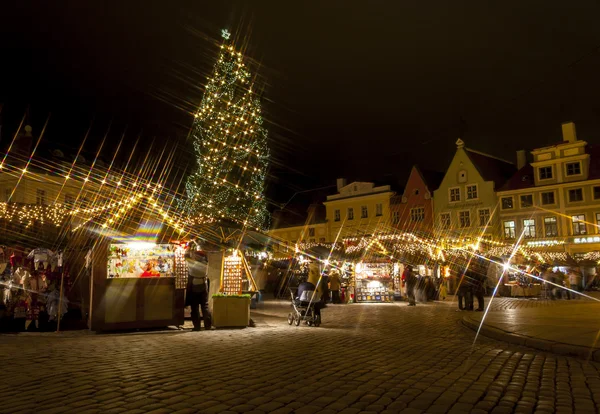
{"points": [[557, 281], [471, 285], [424, 286]]}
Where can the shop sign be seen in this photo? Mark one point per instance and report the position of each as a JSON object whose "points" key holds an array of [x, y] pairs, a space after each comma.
{"points": [[589, 239], [545, 243]]}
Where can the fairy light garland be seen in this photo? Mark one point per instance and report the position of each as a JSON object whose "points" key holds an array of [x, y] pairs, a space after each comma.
{"points": [[231, 148]]}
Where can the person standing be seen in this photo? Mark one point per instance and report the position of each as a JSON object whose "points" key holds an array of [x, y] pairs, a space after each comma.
{"points": [[197, 290], [478, 287], [411, 284], [334, 286]]}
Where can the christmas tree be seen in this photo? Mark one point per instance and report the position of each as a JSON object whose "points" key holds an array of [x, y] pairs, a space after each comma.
{"points": [[230, 144]]}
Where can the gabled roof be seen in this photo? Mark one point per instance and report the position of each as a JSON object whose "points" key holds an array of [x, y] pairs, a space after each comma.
{"points": [[522, 179], [432, 179], [491, 168]]}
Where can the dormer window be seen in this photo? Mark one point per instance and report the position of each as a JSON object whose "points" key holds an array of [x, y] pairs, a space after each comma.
{"points": [[545, 173], [573, 168]]}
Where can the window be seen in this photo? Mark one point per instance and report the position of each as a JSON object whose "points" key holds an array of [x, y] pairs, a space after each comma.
{"points": [[464, 218], [507, 203], [417, 214], [322, 240], [40, 198], [454, 194], [545, 173], [337, 215], [526, 200], [509, 229], [69, 200], [472, 192], [379, 210], [575, 194], [596, 193], [364, 213], [311, 232], [311, 240], [579, 224], [548, 198], [598, 221], [7, 194], [445, 219], [484, 217], [396, 217], [350, 213], [574, 168], [550, 226], [529, 228]]}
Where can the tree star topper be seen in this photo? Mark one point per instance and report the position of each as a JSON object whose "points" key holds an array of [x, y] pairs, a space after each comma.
{"points": [[225, 33]]}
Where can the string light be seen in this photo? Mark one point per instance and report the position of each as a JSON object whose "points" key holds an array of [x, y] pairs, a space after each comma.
{"points": [[231, 148]]}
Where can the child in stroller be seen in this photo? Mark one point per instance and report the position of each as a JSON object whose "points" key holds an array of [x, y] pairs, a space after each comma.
{"points": [[306, 306]]}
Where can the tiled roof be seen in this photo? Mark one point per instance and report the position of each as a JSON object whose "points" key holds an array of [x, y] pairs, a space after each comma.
{"points": [[432, 179], [492, 168], [522, 179]]}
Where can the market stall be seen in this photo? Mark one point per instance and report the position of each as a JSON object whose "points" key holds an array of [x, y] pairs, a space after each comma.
{"points": [[137, 285], [373, 283]]}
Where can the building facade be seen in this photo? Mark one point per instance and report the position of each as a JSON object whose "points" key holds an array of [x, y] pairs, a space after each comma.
{"points": [[413, 211], [358, 209], [554, 203], [465, 204]]}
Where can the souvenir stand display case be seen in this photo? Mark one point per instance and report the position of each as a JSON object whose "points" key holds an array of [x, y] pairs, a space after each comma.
{"points": [[231, 306], [373, 283], [137, 285]]}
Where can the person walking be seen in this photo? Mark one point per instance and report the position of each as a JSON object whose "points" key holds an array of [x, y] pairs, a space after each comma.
{"points": [[478, 287], [411, 284], [334, 286], [443, 292], [197, 290]]}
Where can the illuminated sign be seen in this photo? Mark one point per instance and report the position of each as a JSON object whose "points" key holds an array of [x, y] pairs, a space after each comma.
{"points": [[590, 239], [545, 243]]}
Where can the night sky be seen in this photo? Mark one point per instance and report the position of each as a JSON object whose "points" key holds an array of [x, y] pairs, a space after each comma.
{"points": [[361, 89]]}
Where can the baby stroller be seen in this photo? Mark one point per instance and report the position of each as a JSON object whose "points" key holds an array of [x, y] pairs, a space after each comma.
{"points": [[303, 309]]}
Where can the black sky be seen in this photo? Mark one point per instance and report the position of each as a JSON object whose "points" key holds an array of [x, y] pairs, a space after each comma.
{"points": [[362, 89]]}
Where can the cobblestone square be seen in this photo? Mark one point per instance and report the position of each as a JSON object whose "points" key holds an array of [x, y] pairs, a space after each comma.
{"points": [[363, 359]]}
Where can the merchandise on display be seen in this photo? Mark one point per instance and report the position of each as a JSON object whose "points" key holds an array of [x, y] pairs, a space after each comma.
{"points": [[142, 260], [373, 283]]}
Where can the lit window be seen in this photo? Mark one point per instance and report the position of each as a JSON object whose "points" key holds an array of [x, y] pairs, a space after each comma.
{"points": [[464, 219], [471, 192], [509, 229], [396, 217], [40, 198], [550, 226], [337, 215], [575, 194], [545, 173], [379, 209], [598, 222], [445, 219], [548, 198], [529, 228], [454, 194], [507, 203], [417, 214], [579, 224], [484, 217], [350, 213], [574, 168], [526, 200]]}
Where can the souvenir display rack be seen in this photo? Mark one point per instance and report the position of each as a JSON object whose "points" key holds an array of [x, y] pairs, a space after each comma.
{"points": [[235, 273], [373, 283]]}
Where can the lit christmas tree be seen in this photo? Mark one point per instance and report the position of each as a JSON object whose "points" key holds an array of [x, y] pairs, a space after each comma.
{"points": [[231, 147]]}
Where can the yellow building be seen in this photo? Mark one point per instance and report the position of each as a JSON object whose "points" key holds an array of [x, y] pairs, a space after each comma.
{"points": [[358, 209], [554, 202], [291, 229]]}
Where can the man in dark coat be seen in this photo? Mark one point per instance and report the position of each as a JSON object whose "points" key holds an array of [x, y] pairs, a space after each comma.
{"points": [[411, 284], [478, 286], [197, 289]]}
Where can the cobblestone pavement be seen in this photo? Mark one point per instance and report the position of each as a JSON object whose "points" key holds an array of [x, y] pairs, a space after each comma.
{"points": [[364, 359]]}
